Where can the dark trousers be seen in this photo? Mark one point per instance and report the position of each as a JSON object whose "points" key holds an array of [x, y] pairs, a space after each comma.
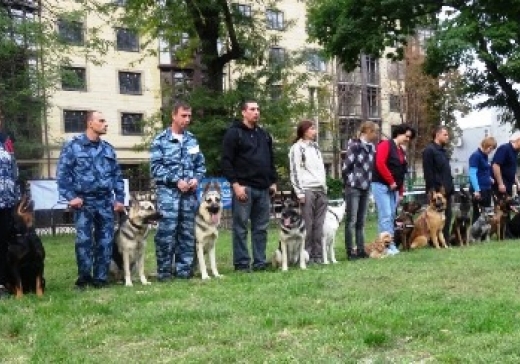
{"points": [[6, 222], [255, 209], [356, 212], [484, 201], [448, 214], [313, 211]]}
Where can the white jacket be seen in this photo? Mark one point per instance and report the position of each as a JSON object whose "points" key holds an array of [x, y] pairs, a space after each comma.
{"points": [[306, 167]]}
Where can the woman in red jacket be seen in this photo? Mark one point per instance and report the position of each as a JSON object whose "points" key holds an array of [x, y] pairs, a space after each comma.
{"points": [[388, 178]]}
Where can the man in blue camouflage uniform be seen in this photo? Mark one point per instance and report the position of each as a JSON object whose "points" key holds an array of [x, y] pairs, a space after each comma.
{"points": [[9, 196], [177, 166], [88, 177]]}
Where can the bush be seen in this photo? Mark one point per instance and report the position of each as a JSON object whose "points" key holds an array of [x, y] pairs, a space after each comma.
{"points": [[334, 188]]}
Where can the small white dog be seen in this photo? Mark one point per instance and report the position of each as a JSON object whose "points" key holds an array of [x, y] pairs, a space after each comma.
{"points": [[333, 218]]}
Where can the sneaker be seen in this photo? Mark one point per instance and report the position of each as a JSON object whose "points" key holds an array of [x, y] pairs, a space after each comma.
{"points": [[392, 249]]}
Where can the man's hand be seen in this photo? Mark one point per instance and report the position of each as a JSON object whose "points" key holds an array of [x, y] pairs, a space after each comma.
{"points": [[76, 203], [301, 199], [119, 207], [183, 186], [502, 188], [272, 189], [393, 186], [192, 183], [476, 194], [240, 192]]}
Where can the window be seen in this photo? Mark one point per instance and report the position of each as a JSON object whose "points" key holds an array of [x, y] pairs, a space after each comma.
{"points": [[373, 102], [71, 32], [242, 9], [127, 40], [274, 19], [394, 103], [74, 121], [73, 78], [372, 70], [275, 92], [396, 71], [316, 63], [119, 2], [130, 83], [131, 123], [276, 56]]}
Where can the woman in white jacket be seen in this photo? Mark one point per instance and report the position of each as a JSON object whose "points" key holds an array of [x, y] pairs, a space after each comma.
{"points": [[308, 180]]}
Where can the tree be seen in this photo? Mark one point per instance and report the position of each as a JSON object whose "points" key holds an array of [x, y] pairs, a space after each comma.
{"points": [[468, 33], [209, 35]]}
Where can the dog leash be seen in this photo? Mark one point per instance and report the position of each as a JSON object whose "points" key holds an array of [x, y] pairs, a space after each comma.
{"points": [[335, 215]]}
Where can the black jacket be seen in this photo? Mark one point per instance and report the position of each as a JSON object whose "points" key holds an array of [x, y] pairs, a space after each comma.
{"points": [[436, 168], [247, 156]]}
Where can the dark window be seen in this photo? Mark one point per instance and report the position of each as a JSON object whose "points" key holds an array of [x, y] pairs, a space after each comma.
{"points": [[372, 70], [316, 63], [242, 9], [130, 83], [74, 121], [127, 40], [373, 102], [131, 124], [119, 2], [73, 78], [274, 19], [71, 32], [276, 56], [395, 103]]}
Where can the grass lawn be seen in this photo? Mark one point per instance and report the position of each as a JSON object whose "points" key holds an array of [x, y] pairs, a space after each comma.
{"points": [[450, 306]]}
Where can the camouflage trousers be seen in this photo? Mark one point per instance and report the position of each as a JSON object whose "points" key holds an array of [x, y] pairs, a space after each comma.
{"points": [[94, 234], [175, 237]]}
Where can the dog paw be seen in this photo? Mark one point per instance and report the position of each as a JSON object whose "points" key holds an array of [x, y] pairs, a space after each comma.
{"points": [[205, 278], [325, 262], [145, 283], [219, 276], [128, 284], [334, 262]]}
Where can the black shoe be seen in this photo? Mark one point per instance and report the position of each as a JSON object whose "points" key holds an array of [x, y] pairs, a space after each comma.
{"points": [[100, 284], [242, 268], [183, 276], [164, 279], [4, 293], [352, 257], [362, 255], [259, 268], [80, 287]]}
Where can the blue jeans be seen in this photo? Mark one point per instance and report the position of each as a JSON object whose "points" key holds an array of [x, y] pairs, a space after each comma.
{"points": [[386, 203], [356, 213], [256, 209]]}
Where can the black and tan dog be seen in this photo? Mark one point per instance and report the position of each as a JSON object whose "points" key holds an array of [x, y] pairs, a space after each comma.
{"points": [[291, 249], [428, 226], [129, 248], [503, 208], [207, 221], [25, 255], [461, 222], [404, 224]]}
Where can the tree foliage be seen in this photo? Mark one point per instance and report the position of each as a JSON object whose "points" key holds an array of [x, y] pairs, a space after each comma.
{"points": [[483, 36]]}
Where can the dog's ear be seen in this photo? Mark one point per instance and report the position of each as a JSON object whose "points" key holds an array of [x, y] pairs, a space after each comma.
{"points": [[442, 190], [207, 187], [216, 187]]}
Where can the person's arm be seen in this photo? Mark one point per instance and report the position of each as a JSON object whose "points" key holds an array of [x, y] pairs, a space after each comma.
{"points": [[168, 174], [383, 150], [229, 150], [295, 161], [64, 174], [473, 179], [274, 174], [199, 166], [428, 170], [119, 185]]}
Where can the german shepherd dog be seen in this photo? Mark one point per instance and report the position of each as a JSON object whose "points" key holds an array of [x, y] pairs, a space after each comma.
{"points": [[129, 247], [207, 221], [503, 208], [404, 224], [333, 218], [378, 249], [25, 254], [430, 223], [461, 222], [291, 249]]}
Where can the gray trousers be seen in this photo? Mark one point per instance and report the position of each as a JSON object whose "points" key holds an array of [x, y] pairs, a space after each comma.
{"points": [[314, 210]]}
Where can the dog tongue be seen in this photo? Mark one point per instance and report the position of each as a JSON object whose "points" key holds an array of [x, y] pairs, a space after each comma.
{"points": [[287, 222], [214, 218]]}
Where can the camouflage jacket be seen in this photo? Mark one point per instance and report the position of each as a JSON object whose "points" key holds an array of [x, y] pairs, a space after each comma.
{"points": [[172, 160], [9, 188], [89, 169]]}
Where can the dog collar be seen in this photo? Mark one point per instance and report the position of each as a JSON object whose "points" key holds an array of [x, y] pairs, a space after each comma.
{"points": [[134, 225], [335, 215]]}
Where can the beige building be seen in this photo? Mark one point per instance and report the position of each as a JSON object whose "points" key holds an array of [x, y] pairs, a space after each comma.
{"points": [[125, 86]]}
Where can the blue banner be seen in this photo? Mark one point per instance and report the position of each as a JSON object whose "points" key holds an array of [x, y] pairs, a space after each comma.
{"points": [[225, 189]]}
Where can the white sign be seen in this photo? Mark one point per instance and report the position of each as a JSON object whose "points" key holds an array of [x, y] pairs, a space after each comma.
{"points": [[45, 195]]}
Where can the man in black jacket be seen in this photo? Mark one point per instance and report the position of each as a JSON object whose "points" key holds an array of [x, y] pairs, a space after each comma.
{"points": [[437, 170], [248, 165]]}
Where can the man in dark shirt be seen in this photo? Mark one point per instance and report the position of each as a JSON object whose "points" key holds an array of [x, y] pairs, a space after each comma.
{"points": [[437, 170], [248, 165], [504, 165]]}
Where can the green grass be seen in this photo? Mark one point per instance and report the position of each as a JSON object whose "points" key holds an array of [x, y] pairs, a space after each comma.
{"points": [[450, 306]]}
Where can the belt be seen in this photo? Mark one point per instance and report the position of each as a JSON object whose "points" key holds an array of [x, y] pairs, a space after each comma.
{"points": [[166, 184]]}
